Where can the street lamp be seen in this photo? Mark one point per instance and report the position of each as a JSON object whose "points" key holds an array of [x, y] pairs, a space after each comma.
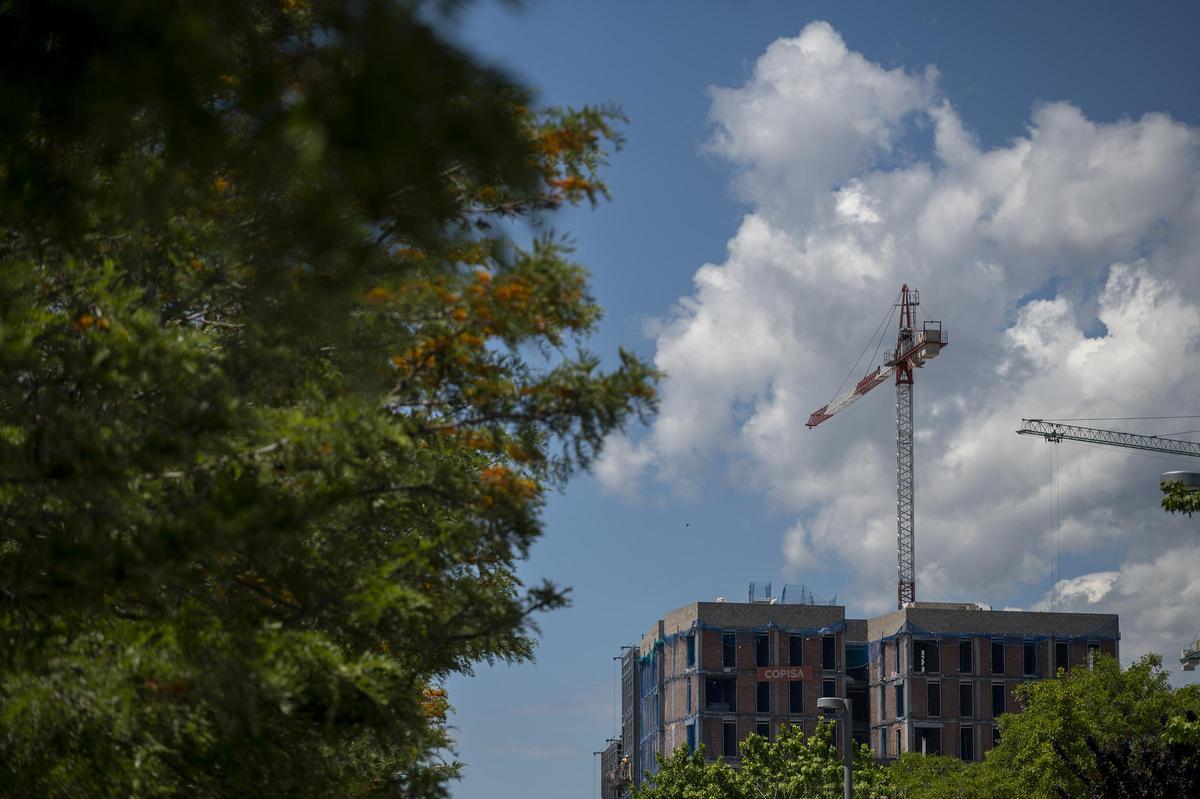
{"points": [[836, 703]]}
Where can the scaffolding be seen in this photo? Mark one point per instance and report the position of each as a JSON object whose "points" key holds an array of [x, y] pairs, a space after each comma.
{"points": [[800, 595], [792, 594]]}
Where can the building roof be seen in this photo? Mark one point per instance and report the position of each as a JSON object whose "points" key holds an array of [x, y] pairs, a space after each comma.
{"points": [[947, 620], [935, 619], [744, 616]]}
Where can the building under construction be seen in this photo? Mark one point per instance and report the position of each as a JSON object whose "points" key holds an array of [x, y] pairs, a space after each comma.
{"points": [[931, 677]]}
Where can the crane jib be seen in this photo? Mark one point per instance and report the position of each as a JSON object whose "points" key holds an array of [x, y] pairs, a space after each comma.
{"points": [[1054, 432]]}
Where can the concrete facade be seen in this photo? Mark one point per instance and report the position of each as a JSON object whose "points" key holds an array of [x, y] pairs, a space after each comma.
{"points": [[941, 673], [922, 679], [696, 677]]}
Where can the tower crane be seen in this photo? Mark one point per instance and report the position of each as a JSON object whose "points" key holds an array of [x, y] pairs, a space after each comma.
{"points": [[1055, 432], [913, 349]]}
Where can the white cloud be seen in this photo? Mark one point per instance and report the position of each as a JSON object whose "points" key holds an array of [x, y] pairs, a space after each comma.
{"points": [[813, 114], [1155, 599], [622, 464], [1064, 266]]}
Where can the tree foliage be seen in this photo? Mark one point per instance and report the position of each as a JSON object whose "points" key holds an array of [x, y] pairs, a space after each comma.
{"points": [[1180, 498], [1049, 748], [1150, 767], [792, 766], [917, 776], [283, 394]]}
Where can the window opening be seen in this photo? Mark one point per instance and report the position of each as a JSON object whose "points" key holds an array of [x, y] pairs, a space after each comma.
{"points": [[1062, 656], [728, 650], [763, 704], [997, 657], [828, 687], [997, 700], [966, 699], [966, 743], [720, 695], [762, 649], [857, 662], [795, 697], [858, 700], [899, 701], [828, 653], [763, 728], [964, 656], [691, 650], [795, 650], [925, 656], [729, 739], [1030, 657]]}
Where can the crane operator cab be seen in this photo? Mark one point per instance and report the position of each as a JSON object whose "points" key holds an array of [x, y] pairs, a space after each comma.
{"points": [[930, 341]]}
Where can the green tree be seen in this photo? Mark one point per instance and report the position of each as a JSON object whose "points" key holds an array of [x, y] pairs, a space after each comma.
{"points": [[1150, 767], [283, 394], [1179, 498], [689, 775], [793, 766], [1044, 750], [917, 776]]}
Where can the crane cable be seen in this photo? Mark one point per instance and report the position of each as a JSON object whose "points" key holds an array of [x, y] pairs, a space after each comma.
{"points": [[1054, 545], [877, 334], [1057, 563]]}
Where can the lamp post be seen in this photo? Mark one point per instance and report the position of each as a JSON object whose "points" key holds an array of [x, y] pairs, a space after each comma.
{"points": [[836, 703]]}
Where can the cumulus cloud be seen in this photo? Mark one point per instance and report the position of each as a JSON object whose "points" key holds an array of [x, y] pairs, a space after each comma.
{"points": [[812, 114], [1064, 266], [1156, 600]]}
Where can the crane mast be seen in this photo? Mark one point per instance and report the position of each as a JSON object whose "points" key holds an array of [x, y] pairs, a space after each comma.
{"points": [[906, 567], [913, 348]]}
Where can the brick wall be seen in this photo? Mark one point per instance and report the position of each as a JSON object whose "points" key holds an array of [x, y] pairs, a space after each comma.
{"points": [[950, 699], [1078, 654], [916, 696], [675, 698], [746, 693], [710, 646], [712, 729], [983, 647], [948, 656], [1014, 658]]}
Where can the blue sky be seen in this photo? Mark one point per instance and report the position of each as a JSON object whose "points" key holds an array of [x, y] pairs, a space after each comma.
{"points": [[1052, 99]]}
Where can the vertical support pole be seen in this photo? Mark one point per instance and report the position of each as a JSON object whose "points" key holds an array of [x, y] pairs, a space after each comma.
{"points": [[848, 752]]}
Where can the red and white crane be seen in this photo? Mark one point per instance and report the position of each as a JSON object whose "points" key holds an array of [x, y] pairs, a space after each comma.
{"points": [[913, 349]]}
